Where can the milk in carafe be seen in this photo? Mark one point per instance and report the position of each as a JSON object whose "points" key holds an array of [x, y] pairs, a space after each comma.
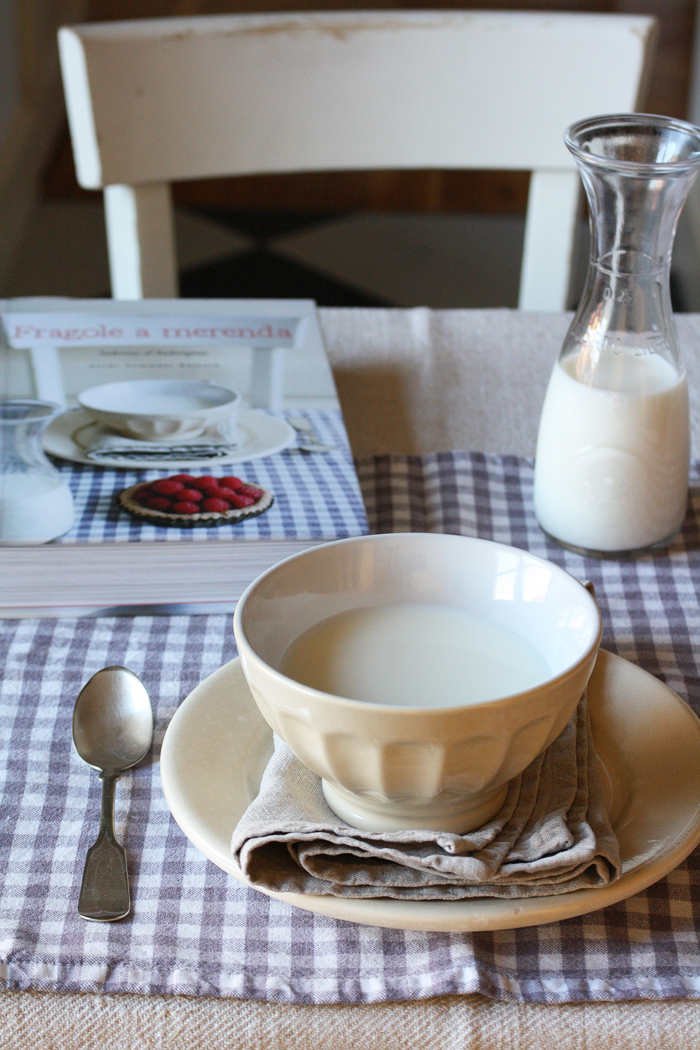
{"points": [[34, 508], [611, 469]]}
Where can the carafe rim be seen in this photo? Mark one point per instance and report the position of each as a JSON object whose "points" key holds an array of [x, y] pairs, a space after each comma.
{"points": [[50, 408], [644, 169]]}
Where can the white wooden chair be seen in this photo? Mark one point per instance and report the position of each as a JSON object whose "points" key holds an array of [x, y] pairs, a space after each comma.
{"points": [[159, 100]]}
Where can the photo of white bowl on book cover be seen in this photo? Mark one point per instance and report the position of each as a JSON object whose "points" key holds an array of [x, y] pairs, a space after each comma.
{"points": [[155, 410], [197, 420]]}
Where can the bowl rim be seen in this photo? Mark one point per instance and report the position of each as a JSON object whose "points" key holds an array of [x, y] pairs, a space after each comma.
{"points": [[233, 398], [412, 711]]}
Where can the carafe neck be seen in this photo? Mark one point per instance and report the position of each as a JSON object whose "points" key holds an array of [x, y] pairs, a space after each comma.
{"points": [[633, 220], [22, 422], [637, 171]]}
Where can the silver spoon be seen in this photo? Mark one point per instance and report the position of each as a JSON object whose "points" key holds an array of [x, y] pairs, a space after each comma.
{"points": [[302, 426], [112, 731]]}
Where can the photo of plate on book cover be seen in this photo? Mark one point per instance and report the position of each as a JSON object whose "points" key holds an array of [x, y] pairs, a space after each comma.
{"points": [[74, 437], [174, 392]]}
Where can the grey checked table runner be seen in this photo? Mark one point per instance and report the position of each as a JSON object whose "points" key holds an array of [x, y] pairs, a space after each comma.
{"points": [[316, 494], [196, 931]]}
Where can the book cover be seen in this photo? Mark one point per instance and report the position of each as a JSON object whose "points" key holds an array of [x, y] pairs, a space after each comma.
{"points": [[290, 441]]}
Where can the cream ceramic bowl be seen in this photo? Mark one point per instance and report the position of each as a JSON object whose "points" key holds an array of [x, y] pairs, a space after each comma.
{"points": [[388, 767], [157, 409]]}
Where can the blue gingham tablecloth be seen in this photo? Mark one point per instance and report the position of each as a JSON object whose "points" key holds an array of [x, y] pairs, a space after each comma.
{"points": [[316, 494], [194, 930]]}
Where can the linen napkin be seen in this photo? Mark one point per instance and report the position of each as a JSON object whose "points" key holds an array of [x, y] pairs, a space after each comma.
{"points": [[552, 835], [110, 447]]}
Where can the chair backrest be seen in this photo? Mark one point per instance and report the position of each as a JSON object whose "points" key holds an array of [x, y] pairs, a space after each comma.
{"points": [[158, 100]]}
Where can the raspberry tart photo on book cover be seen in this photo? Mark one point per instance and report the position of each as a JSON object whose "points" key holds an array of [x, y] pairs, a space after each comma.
{"points": [[185, 501]]}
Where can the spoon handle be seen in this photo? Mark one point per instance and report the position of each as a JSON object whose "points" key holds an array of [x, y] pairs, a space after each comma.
{"points": [[104, 893]]}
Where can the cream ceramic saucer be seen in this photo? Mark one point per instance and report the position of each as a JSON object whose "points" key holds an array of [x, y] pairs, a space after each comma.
{"points": [[217, 746], [259, 434]]}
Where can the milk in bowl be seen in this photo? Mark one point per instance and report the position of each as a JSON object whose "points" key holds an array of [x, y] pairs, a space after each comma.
{"points": [[414, 655]]}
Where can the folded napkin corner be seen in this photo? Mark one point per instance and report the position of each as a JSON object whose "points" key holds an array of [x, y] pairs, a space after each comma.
{"points": [[552, 835]]}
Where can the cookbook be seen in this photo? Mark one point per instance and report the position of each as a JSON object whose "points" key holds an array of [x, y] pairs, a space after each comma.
{"points": [[277, 478]]}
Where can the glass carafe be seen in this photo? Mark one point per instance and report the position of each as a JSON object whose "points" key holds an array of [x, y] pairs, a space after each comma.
{"points": [[35, 502], [611, 468]]}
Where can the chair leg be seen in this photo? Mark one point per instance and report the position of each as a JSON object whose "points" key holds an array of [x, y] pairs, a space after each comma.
{"points": [[141, 241], [549, 240], [267, 380]]}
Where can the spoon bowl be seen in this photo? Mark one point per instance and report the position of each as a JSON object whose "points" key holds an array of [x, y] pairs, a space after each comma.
{"points": [[113, 720], [112, 731]]}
